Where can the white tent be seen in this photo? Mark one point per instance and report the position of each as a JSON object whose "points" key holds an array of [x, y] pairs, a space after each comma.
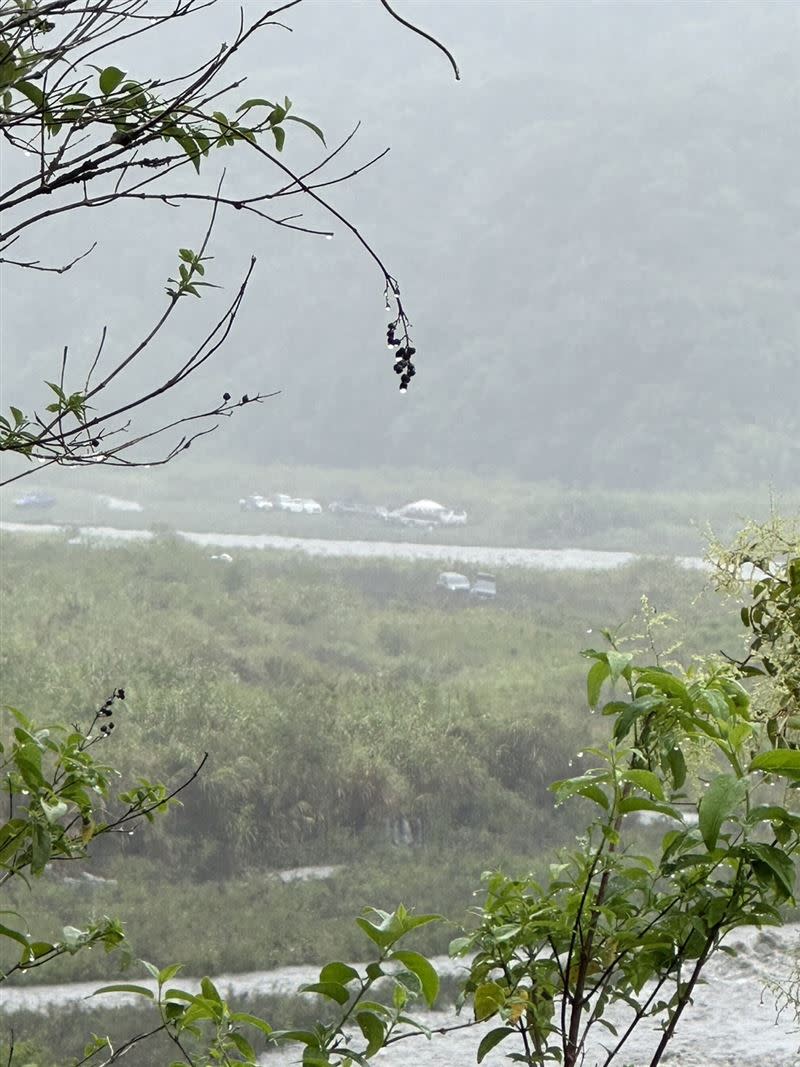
{"points": [[427, 509]]}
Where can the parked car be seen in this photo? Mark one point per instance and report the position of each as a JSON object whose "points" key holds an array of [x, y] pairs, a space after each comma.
{"points": [[255, 502], [484, 587], [284, 502], [311, 507], [408, 521], [453, 582], [453, 518], [350, 507], [35, 500], [345, 507]]}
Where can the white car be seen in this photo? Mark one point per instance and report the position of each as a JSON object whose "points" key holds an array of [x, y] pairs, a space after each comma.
{"points": [[255, 502], [453, 518], [284, 502], [453, 582], [311, 507]]}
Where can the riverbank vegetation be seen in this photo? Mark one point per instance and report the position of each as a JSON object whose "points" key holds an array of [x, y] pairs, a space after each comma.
{"points": [[355, 716], [272, 919]]}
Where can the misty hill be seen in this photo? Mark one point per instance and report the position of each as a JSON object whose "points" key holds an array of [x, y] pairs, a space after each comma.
{"points": [[596, 232]]}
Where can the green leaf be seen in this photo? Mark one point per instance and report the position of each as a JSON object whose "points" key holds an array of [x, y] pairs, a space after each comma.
{"points": [[32, 92], [28, 759], [251, 1020], [631, 804], [15, 935], [645, 780], [178, 994], [280, 136], [488, 1000], [779, 761], [257, 101], [243, 1046], [373, 1030], [304, 1037], [423, 969], [677, 767], [189, 145], [617, 662], [125, 987], [667, 683], [459, 945], [210, 990], [40, 852], [38, 949], [773, 813], [168, 973], [110, 79], [779, 865], [311, 126], [598, 673], [313, 1057], [333, 990], [338, 972], [721, 799], [585, 786], [382, 938], [494, 1037]]}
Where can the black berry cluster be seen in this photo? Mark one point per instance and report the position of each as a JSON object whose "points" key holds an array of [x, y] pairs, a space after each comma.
{"points": [[403, 356], [107, 710]]}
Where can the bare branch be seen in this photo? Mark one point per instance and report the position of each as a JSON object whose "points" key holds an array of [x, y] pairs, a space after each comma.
{"points": [[415, 29], [34, 264]]}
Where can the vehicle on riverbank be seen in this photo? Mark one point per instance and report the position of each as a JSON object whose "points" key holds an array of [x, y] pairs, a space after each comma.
{"points": [[453, 582], [484, 587], [255, 502]]}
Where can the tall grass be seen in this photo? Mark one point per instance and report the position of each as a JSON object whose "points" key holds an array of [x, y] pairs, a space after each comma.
{"points": [[338, 702]]}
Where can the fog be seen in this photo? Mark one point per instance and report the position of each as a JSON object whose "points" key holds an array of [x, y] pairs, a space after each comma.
{"points": [[595, 232]]}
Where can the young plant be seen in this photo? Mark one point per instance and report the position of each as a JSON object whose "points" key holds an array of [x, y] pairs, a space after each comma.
{"points": [[371, 1004], [59, 800], [618, 937]]}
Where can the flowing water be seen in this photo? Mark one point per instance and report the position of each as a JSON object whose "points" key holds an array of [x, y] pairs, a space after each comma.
{"points": [[732, 1022], [551, 559]]}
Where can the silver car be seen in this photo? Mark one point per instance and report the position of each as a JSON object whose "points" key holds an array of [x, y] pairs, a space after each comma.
{"points": [[453, 582]]}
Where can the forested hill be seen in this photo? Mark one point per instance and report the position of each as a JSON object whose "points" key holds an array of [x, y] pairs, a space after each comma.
{"points": [[597, 232]]}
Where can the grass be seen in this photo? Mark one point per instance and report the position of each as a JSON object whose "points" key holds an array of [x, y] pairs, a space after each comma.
{"points": [[339, 701]]}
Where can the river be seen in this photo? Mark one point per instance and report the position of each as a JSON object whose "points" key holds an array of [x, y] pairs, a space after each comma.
{"points": [[550, 559], [732, 1022]]}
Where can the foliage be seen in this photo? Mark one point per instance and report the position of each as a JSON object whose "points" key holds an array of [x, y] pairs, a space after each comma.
{"points": [[369, 649], [764, 563], [204, 1019], [58, 796], [613, 927]]}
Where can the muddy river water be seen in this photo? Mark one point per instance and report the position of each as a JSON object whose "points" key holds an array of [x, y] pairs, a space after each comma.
{"points": [[552, 559], [732, 1022]]}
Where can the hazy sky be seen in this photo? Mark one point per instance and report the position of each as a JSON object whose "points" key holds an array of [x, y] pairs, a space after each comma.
{"points": [[597, 226]]}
